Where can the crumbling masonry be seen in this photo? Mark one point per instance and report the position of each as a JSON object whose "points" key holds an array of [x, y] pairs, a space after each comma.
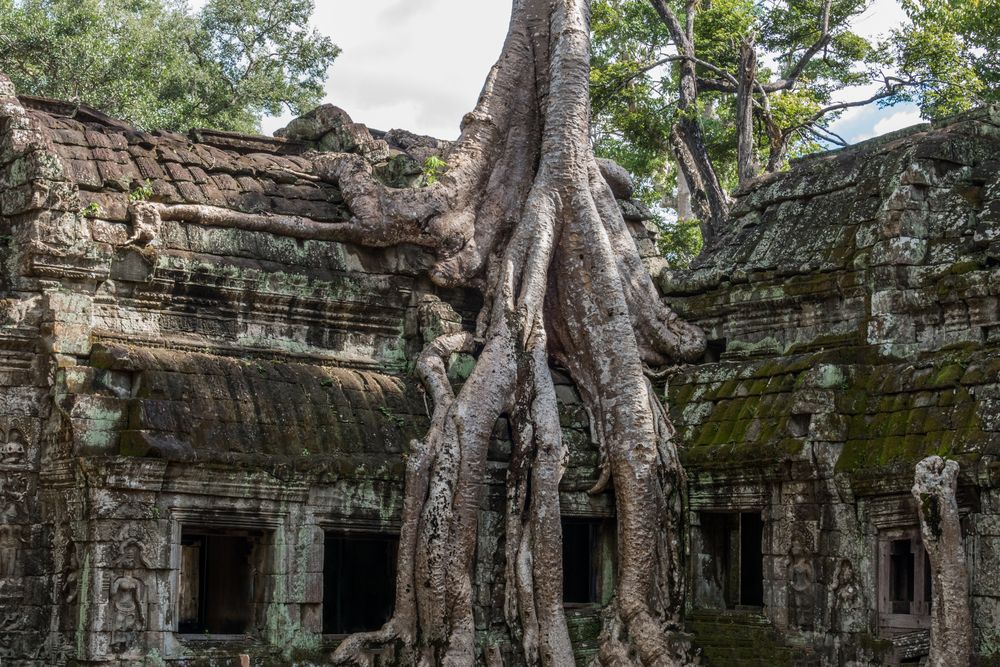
{"points": [[203, 423]]}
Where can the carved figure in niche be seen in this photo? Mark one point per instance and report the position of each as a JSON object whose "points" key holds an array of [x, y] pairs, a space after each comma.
{"points": [[71, 581], [126, 601], [18, 436], [10, 543], [13, 451], [69, 588], [848, 599], [127, 598], [13, 488], [801, 607]]}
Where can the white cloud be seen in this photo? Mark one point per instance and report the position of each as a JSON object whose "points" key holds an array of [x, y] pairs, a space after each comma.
{"points": [[898, 121], [420, 64], [880, 18], [414, 64]]}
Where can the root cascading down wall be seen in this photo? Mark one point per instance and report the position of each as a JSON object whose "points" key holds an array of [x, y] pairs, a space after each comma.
{"points": [[190, 378]]}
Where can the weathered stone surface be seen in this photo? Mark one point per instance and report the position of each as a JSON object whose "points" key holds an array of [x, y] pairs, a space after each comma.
{"points": [[158, 375], [848, 308], [329, 128], [618, 179], [175, 375]]}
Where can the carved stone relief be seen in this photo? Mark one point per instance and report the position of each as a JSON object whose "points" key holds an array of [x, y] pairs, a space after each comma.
{"points": [[13, 493], [801, 575], [18, 438], [127, 592], [848, 599]]}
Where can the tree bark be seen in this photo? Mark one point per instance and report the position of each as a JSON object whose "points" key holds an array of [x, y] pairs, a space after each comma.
{"points": [[524, 214], [934, 487], [746, 160], [709, 200], [683, 198]]}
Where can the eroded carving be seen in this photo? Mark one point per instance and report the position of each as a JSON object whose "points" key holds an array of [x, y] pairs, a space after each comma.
{"points": [[127, 593], [146, 222], [18, 437], [848, 599], [801, 575]]}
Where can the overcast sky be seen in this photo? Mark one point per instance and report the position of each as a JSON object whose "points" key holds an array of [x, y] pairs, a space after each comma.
{"points": [[419, 64]]}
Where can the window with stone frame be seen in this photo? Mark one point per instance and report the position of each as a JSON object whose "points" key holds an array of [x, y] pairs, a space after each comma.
{"points": [[359, 581], [588, 561], [728, 560], [218, 581], [904, 581]]}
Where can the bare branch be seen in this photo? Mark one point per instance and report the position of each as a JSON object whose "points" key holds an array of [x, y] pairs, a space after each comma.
{"points": [[822, 134], [710, 83], [892, 86]]}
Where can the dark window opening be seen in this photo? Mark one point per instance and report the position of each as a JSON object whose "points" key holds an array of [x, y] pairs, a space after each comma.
{"points": [[588, 561], [926, 592], [904, 581], [729, 561], [580, 556], [751, 560], [714, 349], [901, 576], [359, 582], [217, 581]]}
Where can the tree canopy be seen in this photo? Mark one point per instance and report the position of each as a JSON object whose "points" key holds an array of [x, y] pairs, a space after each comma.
{"points": [[690, 94], [953, 48], [158, 64]]}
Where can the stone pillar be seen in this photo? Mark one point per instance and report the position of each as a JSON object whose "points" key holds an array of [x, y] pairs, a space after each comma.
{"points": [[934, 487]]}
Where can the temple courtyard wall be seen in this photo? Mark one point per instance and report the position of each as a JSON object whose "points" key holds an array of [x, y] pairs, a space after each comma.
{"points": [[203, 425]]}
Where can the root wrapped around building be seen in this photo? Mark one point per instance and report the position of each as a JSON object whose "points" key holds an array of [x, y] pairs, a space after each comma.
{"points": [[523, 213]]}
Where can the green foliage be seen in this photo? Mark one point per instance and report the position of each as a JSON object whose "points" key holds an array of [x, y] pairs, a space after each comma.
{"points": [[634, 106], [141, 192], [160, 65], [679, 242], [91, 210], [634, 86], [433, 168], [632, 115], [720, 28], [953, 47]]}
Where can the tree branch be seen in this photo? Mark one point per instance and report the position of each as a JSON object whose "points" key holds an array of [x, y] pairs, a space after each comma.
{"points": [[673, 25], [822, 134], [892, 86], [800, 66], [669, 59]]}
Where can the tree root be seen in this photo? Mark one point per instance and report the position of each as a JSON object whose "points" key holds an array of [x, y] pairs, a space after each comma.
{"points": [[524, 214], [934, 487]]}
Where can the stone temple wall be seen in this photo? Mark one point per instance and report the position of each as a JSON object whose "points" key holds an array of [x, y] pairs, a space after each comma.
{"points": [[156, 379], [852, 308], [170, 389]]}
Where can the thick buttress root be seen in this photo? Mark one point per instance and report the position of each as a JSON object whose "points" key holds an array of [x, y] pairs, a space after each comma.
{"points": [[935, 487], [524, 215]]}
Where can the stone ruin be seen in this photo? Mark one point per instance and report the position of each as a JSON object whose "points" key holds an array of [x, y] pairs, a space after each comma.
{"points": [[202, 426]]}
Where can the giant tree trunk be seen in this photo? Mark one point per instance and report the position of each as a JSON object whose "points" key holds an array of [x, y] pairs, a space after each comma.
{"points": [[524, 214], [934, 486]]}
